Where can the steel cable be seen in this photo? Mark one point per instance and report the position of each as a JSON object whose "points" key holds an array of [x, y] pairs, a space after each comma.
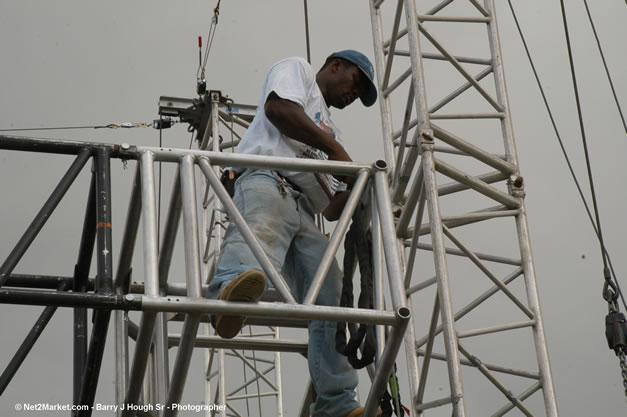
{"points": [[607, 71], [561, 143]]}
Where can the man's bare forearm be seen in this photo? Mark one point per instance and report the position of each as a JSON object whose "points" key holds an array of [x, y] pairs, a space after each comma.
{"points": [[293, 122]]}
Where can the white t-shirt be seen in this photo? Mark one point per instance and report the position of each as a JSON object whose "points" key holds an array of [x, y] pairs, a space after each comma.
{"points": [[293, 79]]}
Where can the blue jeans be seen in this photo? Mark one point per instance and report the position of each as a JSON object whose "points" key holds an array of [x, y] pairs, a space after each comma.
{"points": [[284, 225]]}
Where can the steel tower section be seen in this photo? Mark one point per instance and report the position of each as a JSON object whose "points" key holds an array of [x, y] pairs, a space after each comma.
{"points": [[439, 66]]}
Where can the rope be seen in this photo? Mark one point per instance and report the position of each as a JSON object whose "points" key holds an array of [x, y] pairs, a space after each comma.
{"points": [[607, 71]]}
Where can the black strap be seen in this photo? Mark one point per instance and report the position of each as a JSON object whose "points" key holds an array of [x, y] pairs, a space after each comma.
{"points": [[357, 245]]}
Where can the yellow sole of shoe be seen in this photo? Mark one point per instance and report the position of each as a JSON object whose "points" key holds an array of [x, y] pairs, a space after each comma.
{"points": [[248, 286]]}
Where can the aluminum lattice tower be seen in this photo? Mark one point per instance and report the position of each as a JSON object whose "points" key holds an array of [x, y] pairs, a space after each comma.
{"points": [[448, 135]]}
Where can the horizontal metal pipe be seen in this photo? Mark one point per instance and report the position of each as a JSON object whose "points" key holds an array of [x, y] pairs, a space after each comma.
{"points": [[53, 298], [457, 19], [454, 187], [478, 185], [439, 57], [263, 309], [451, 224], [64, 147], [41, 281], [482, 256], [492, 367], [434, 403], [473, 150], [250, 161], [455, 116], [462, 59], [254, 395], [496, 329], [183, 304], [480, 216]]}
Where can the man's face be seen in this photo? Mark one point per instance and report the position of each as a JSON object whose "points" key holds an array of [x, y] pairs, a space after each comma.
{"points": [[349, 83]]}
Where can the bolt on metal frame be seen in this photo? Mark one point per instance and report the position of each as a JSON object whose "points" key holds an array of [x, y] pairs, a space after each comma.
{"points": [[430, 145]]}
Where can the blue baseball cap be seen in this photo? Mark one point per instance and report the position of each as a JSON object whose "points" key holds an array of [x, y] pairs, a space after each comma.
{"points": [[363, 63]]}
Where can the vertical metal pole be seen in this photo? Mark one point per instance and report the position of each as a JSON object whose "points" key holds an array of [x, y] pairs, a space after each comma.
{"points": [[386, 364], [104, 281], [192, 268], [222, 382], [539, 338], [277, 372], [81, 277], [446, 305], [377, 266], [420, 96], [151, 282], [160, 350], [499, 80], [521, 220], [388, 231], [122, 280], [44, 214], [384, 102]]}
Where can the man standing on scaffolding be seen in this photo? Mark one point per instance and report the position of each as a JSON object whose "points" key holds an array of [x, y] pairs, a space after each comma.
{"points": [[293, 120]]}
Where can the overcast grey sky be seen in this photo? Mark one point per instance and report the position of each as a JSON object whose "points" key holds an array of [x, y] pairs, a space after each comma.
{"points": [[71, 63]]}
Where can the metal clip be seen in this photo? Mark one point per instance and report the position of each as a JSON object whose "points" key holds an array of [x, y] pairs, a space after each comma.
{"points": [[282, 189]]}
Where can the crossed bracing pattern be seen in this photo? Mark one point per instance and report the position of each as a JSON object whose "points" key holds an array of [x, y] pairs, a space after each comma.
{"points": [[143, 374], [460, 167]]}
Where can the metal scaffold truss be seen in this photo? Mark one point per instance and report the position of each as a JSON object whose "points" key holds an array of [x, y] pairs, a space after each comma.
{"points": [[456, 182], [144, 376]]}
